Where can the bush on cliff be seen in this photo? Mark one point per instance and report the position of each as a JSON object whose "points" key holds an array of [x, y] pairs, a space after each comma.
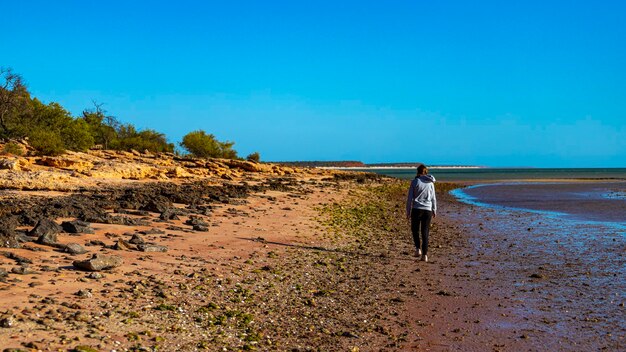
{"points": [[202, 145], [255, 157], [129, 138]]}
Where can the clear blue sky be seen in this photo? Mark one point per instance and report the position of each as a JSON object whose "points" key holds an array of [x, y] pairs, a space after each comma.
{"points": [[499, 83]]}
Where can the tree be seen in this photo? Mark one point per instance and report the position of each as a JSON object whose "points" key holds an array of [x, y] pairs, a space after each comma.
{"points": [[103, 127], [203, 145], [129, 138], [255, 157], [14, 100]]}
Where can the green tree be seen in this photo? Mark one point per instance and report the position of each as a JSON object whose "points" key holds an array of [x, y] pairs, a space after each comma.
{"points": [[129, 138], [255, 157], [104, 128], [14, 101], [200, 144]]}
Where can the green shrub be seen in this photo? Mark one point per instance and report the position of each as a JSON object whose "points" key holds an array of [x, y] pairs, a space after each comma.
{"points": [[202, 145], [76, 136], [13, 148], [255, 157], [47, 142]]}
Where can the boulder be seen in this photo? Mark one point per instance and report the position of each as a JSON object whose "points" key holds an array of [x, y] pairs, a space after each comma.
{"points": [[151, 248], [136, 239], [122, 245], [46, 231], [99, 262], [74, 249], [77, 226]]}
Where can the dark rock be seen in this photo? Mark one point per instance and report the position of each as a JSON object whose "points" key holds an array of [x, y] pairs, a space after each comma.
{"points": [[74, 249], [201, 228], [8, 235], [18, 258], [99, 262], [3, 273], [77, 226], [156, 206], [21, 270], [169, 214], [45, 227], [151, 248], [49, 239], [194, 220], [136, 239], [95, 243], [152, 231], [7, 322]]}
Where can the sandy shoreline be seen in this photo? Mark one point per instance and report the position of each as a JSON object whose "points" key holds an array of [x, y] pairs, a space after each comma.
{"points": [[309, 263]]}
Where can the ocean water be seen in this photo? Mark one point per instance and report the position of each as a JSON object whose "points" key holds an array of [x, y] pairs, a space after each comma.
{"points": [[490, 174]]}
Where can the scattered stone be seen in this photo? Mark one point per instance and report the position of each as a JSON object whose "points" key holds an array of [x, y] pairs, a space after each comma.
{"points": [[95, 243], [151, 248], [99, 262], [74, 249], [3, 273], [95, 276], [536, 276], [136, 239], [83, 293], [77, 226]]}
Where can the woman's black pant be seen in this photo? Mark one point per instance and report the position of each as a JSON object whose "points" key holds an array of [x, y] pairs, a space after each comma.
{"points": [[420, 222]]}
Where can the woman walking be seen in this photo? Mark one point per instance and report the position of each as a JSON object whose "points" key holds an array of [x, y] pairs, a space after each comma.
{"points": [[421, 207]]}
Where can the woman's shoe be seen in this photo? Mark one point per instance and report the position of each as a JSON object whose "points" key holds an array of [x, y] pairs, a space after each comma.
{"points": [[424, 258]]}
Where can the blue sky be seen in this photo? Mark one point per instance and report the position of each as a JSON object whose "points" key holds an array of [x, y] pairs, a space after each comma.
{"points": [[495, 83]]}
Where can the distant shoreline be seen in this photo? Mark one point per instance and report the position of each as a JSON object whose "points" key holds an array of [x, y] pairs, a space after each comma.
{"points": [[397, 167]]}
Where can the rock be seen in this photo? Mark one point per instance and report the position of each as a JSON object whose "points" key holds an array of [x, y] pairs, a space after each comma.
{"points": [[95, 276], [3, 273], [194, 220], [151, 248], [77, 226], [99, 262], [136, 239], [9, 164], [156, 206], [67, 163], [7, 322], [152, 231], [169, 214], [18, 258], [74, 249], [46, 231], [83, 293], [122, 245], [22, 270], [8, 237], [201, 228]]}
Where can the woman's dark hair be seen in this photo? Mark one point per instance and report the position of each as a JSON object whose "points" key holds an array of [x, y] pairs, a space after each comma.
{"points": [[421, 169]]}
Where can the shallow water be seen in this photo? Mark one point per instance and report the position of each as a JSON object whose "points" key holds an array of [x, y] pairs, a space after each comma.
{"points": [[573, 235]]}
